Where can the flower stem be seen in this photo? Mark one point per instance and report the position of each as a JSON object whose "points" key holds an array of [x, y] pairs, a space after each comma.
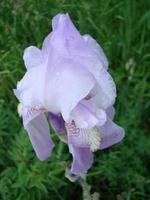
{"points": [[86, 190]]}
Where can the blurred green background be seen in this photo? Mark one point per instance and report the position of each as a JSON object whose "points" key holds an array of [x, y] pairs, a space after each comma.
{"points": [[123, 29]]}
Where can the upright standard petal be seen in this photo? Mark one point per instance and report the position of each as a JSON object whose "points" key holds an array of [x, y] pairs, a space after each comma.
{"points": [[104, 92], [30, 89], [72, 55], [110, 112], [82, 160], [92, 57], [69, 84], [97, 48], [38, 131], [32, 57], [67, 41]]}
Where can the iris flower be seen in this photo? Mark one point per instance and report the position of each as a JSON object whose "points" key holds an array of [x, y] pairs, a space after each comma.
{"points": [[68, 79]]}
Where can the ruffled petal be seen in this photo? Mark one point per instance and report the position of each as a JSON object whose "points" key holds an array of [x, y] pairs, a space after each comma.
{"points": [[110, 112], [68, 62], [47, 49], [69, 84], [81, 49], [111, 134], [31, 88], [32, 57], [58, 87], [97, 48], [64, 66], [86, 115], [38, 130], [82, 160], [104, 92]]}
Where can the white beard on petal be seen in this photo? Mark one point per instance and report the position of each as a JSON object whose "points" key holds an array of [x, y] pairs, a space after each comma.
{"points": [[84, 137], [92, 137]]}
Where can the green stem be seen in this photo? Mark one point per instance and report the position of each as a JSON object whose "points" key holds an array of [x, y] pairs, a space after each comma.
{"points": [[86, 190]]}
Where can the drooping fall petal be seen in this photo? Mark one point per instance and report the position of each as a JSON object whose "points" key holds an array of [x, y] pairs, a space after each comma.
{"points": [[111, 134], [38, 130], [82, 160]]}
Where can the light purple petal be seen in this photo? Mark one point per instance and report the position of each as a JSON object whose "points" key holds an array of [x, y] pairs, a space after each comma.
{"points": [[58, 125], [68, 63], [60, 21], [56, 121], [83, 116], [69, 83], [67, 41], [81, 129], [65, 38], [87, 115], [77, 137], [77, 48], [47, 49], [83, 137], [105, 90], [110, 112], [31, 87], [38, 131], [32, 57], [97, 48], [111, 134], [82, 160]]}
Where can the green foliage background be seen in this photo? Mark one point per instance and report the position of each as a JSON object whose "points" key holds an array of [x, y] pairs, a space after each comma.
{"points": [[123, 29]]}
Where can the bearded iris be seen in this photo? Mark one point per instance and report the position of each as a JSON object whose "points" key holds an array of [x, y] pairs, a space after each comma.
{"points": [[68, 79]]}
